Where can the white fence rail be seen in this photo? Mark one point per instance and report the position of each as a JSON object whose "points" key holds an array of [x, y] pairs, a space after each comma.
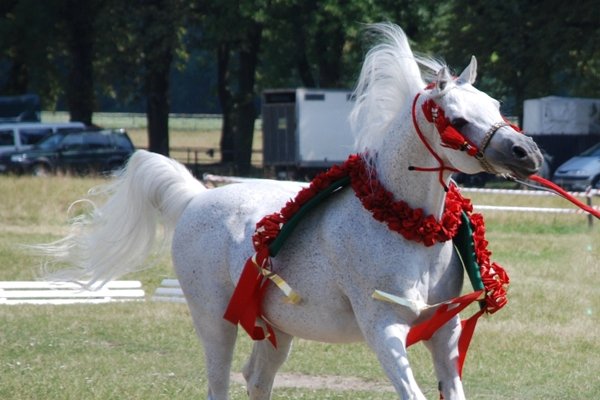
{"points": [[39, 292], [587, 195]]}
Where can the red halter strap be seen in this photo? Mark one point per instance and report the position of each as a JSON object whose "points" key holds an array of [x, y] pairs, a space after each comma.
{"points": [[442, 166], [452, 138]]}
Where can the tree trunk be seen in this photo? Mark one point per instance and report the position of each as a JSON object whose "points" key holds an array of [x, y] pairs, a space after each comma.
{"points": [[160, 24], [80, 42], [157, 107], [227, 143], [239, 110], [245, 104]]}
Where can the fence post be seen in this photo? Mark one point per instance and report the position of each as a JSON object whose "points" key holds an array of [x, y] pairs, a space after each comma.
{"points": [[588, 196]]}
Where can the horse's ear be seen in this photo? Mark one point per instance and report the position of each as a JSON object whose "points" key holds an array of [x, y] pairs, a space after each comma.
{"points": [[470, 73], [443, 78]]}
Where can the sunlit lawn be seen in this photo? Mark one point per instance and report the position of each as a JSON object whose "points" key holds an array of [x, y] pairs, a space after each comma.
{"points": [[544, 345]]}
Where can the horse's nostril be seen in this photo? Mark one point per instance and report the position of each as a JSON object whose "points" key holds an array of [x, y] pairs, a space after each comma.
{"points": [[519, 152]]}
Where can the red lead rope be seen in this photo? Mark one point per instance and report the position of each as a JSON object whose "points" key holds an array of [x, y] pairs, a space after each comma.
{"points": [[564, 194]]}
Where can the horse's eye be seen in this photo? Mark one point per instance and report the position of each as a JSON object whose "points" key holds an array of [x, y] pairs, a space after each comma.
{"points": [[459, 122]]}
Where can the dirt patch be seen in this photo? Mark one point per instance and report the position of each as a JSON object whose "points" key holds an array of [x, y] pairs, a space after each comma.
{"points": [[332, 382]]}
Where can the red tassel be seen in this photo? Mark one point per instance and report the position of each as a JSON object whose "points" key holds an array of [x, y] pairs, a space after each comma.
{"points": [[453, 139], [428, 107]]}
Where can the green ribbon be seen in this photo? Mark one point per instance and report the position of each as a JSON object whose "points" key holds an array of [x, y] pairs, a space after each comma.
{"points": [[463, 241], [289, 226], [465, 246]]}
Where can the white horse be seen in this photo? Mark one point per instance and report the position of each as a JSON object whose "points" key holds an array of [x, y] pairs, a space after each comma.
{"points": [[339, 254]]}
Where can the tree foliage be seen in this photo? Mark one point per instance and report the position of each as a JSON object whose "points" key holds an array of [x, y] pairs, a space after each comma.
{"points": [[30, 49], [527, 49], [77, 52]]}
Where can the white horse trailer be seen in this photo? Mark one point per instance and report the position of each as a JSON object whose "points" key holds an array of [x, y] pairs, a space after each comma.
{"points": [[305, 130], [562, 126]]}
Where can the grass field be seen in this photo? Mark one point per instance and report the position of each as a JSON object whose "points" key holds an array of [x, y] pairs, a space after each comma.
{"points": [[545, 344]]}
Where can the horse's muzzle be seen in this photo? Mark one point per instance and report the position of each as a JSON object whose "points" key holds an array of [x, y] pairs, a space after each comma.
{"points": [[515, 154]]}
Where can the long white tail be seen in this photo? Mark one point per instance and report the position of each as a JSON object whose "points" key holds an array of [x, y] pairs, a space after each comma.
{"points": [[118, 236]]}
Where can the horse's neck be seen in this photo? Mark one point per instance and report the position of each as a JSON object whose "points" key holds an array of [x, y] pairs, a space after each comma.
{"points": [[402, 149]]}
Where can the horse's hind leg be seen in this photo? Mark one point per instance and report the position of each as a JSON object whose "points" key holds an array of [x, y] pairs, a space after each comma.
{"points": [[263, 364], [444, 350], [218, 337]]}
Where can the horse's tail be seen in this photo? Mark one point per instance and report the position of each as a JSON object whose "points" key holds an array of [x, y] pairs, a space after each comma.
{"points": [[117, 237]]}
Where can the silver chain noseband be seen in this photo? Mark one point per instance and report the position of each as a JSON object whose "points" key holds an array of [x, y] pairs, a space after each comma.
{"points": [[485, 143]]}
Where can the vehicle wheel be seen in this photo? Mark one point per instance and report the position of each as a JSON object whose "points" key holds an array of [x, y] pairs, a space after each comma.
{"points": [[40, 170], [596, 182]]}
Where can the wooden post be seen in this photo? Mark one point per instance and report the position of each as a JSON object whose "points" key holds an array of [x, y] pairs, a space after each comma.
{"points": [[588, 195]]}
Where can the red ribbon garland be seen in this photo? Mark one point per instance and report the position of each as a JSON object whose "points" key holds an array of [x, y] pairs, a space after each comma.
{"points": [[245, 306]]}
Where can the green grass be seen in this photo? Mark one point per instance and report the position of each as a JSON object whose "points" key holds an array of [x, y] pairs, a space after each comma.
{"points": [[545, 344]]}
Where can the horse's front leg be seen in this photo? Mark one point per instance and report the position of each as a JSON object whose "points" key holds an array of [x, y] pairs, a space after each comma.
{"points": [[386, 334], [263, 364], [443, 346]]}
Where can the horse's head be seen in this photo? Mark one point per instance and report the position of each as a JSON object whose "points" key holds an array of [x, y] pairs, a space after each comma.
{"points": [[475, 136]]}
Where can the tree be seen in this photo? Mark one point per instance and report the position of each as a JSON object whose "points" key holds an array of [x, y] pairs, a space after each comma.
{"points": [[160, 21], [30, 49], [140, 42], [127, 50], [237, 53], [526, 49], [291, 43], [80, 36], [314, 43]]}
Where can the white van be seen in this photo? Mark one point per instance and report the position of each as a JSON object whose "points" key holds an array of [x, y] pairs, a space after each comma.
{"points": [[22, 135]]}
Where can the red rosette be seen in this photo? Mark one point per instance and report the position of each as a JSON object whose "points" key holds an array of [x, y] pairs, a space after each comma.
{"points": [[267, 230], [429, 230], [496, 283]]}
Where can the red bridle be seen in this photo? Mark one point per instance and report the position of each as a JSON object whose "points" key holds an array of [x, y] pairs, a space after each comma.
{"points": [[452, 138]]}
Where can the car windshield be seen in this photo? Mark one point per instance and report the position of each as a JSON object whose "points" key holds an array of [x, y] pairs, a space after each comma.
{"points": [[50, 142], [123, 142], [593, 151]]}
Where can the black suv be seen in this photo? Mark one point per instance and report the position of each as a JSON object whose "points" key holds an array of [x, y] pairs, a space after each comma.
{"points": [[91, 151]]}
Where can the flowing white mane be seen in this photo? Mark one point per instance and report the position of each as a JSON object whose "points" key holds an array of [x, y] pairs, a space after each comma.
{"points": [[390, 78]]}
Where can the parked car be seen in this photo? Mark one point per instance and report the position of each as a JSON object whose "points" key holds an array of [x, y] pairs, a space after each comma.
{"points": [[91, 151], [22, 135], [580, 172]]}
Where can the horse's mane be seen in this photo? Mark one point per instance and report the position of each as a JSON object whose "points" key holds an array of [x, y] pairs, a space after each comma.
{"points": [[391, 76]]}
